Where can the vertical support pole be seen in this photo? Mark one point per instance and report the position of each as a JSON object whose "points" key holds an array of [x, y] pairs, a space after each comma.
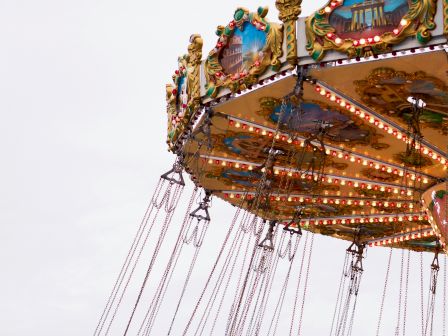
{"points": [[289, 11]]}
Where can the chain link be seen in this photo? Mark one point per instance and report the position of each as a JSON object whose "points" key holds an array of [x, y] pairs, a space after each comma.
{"points": [[384, 294]]}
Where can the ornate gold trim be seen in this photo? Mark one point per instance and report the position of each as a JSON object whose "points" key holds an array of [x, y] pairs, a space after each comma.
{"points": [[289, 11], [214, 72], [445, 17], [189, 70], [321, 35]]}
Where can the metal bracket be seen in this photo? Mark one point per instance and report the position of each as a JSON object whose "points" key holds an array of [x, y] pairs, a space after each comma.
{"points": [[357, 248], [203, 206], [296, 219], [176, 170], [268, 242], [205, 128]]}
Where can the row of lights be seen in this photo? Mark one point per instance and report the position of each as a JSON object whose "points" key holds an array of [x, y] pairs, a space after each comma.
{"points": [[339, 180], [402, 237], [392, 54], [378, 123], [323, 200], [362, 220], [335, 152]]}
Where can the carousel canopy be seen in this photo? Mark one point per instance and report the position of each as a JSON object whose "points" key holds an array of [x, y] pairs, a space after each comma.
{"points": [[342, 114]]}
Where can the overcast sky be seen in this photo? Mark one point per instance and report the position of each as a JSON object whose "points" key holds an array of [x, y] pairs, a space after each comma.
{"points": [[82, 137]]}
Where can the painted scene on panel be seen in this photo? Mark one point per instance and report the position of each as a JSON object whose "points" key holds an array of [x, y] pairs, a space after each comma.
{"points": [[358, 19], [245, 49]]}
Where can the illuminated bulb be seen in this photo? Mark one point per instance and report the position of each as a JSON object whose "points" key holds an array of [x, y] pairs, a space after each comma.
{"points": [[250, 167], [251, 128], [343, 103], [333, 98], [237, 125], [223, 163], [362, 115], [352, 109], [337, 40], [327, 9], [389, 170], [322, 92], [263, 132], [237, 165], [403, 22]]}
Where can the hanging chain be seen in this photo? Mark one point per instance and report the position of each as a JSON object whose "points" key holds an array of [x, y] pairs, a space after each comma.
{"points": [[305, 289], [406, 293], [435, 267], [421, 295], [384, 294], [397, 328], [444, 296]]}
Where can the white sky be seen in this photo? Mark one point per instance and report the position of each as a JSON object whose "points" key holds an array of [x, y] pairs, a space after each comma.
{"points": [[82, 136]]}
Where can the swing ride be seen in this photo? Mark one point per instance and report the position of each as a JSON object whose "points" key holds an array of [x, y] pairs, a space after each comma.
{"points": [[333, 124]]}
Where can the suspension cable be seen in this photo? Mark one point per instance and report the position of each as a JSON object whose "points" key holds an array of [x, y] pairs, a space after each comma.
{"points": [[305, 287], [405, 303], [340, 289], [175, 197], [397, 328], [171, 265], [444, 296], [215, 265], [384, 293], [421, 296], [129, 257], [151, 264]]}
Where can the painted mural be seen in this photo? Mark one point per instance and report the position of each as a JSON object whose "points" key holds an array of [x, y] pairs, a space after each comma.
{"points": [[245, 49], [306, 117], [252, 146], [386, 90], [357, 19]]}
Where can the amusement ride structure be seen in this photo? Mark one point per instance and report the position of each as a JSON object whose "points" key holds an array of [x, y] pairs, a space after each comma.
{"points": [[333, 124]]}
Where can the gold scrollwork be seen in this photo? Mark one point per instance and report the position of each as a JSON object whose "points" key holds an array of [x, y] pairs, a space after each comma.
{"points": [[214, 72], [289, 11], [183, 96], [322, 36], [445, 17]]}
